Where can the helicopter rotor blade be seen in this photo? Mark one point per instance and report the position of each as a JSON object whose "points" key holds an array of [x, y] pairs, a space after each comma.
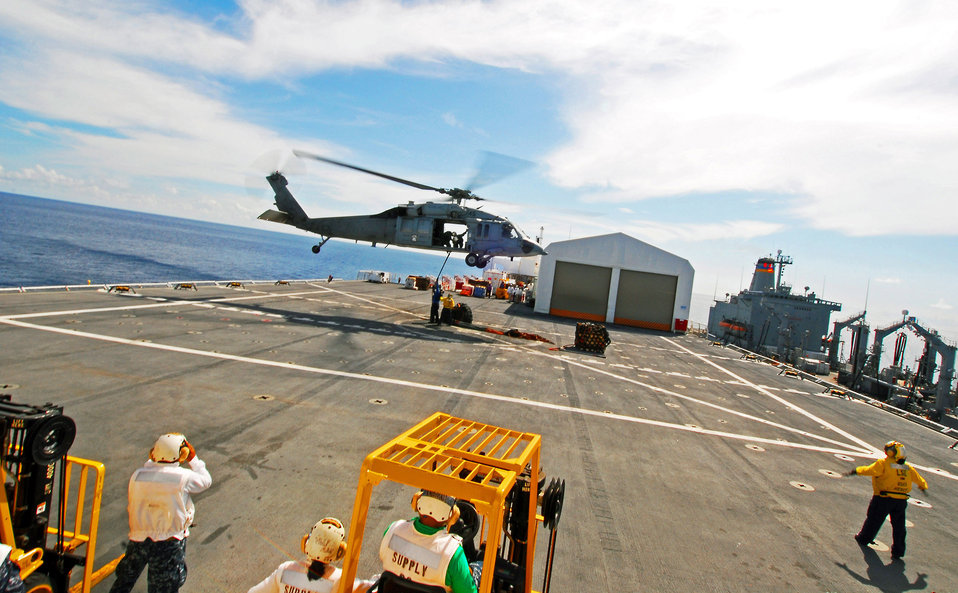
{"points": [[495, 167], [304, 154]]}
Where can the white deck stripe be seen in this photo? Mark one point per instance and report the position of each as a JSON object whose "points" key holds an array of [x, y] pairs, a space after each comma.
{"points": [[866, 446], [410, 384]]}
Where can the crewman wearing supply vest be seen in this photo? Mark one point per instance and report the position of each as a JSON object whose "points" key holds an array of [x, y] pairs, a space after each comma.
{"points": [[324, 544], [422, 550], [892, 478], [161, 512]]}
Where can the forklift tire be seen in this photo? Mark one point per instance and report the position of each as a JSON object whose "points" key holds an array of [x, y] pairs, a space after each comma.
{"points": [[51, 439], [38, 583]]}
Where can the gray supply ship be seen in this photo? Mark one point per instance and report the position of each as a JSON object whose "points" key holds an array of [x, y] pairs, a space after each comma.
{"points": [[769, 319], [687, 466]]}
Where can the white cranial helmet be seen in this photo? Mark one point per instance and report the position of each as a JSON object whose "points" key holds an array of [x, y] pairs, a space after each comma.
{"points": [[326, 541], [433, 504], [167, 448]]}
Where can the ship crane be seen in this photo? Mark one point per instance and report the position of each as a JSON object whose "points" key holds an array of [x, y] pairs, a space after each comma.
{"points": [[834, 339], [931, 337]]}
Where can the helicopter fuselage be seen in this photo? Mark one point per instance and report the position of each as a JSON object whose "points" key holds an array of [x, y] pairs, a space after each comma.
{"points": [[449, 227]]}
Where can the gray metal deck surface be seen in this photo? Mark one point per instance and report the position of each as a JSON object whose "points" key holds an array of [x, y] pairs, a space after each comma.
{"points": [[687, 468]]}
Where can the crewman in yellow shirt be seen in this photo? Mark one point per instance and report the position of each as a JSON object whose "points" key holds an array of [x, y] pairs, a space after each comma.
{"points": [[447, 305], [892, 478]]}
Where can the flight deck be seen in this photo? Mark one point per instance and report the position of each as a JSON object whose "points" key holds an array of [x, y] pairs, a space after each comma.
{"points": [[688, 468]]}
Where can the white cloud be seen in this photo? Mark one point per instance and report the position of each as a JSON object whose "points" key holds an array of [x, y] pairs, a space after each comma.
{"points": [[942, 305], [657, 232], [43, 176], [846, 106], [450, 120], [888, 280]]}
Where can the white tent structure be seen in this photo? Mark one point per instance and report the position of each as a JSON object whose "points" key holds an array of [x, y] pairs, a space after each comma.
{"points": [[615, 279]]}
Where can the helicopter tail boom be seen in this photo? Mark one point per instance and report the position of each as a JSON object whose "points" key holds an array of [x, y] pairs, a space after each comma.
{"points": [[290, 212]]}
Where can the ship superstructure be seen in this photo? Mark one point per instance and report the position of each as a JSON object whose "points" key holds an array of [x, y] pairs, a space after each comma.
{"points": [[769, 318]]}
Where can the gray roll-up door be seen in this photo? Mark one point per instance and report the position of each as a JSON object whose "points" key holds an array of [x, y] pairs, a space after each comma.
{"points": [[645, 299], [580, 291]]}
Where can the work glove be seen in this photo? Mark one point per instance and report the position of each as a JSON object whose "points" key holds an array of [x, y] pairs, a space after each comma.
{"points": [[852, 472], [192, 451]]}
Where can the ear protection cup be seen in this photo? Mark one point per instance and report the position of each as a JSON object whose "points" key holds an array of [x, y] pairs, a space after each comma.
{"points": [[453, 517], [415, 501], [302, 543]]}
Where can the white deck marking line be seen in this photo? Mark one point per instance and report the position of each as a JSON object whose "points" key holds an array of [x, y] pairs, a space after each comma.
{"points": [[410, 384], [689, 398], [365, 300], [204, 304], [867, 447]]}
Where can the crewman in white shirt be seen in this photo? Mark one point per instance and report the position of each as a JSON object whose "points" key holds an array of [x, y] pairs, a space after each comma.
{"points": [[161, 512], [324, 544]]}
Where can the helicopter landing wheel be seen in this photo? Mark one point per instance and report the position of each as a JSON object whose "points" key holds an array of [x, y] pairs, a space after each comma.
{"points": [[472, 259], [482, 262], [315, 248]]}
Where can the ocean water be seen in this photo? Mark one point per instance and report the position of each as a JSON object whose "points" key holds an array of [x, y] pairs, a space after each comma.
{"points": [[51, 243]]}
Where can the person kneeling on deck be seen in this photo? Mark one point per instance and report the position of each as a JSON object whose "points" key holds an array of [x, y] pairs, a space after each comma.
{"points": [[423, 551], [161, 513], [447, 306], [324, 544]]}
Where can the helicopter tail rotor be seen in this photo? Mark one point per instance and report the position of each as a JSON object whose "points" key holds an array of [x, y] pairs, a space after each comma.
{"points": [[273, 161]]}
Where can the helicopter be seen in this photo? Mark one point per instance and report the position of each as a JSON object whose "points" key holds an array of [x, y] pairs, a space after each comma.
{"points": [[447, 225]]}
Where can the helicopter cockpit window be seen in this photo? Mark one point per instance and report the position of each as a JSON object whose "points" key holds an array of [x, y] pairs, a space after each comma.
{"points": [[507, 231]]}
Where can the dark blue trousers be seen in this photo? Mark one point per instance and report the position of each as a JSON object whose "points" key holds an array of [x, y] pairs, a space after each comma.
{"points": [[879, 508], [167, 562]]}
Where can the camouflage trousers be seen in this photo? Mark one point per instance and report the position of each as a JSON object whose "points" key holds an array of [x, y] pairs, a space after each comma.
{"points": [[167, 562]]}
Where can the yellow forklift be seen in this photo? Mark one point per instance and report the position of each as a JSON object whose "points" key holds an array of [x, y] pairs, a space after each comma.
{"points": [[48, 543], [495, 476]]}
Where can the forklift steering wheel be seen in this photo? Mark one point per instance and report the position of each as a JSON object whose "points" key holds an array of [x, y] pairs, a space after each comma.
{"points": [[468, 524]]}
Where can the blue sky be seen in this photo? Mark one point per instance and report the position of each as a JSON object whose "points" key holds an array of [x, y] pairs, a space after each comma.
{"points": [[718, 131]]}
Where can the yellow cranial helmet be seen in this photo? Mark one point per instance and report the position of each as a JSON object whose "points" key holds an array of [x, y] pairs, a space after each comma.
{"points": [[895, 450]]}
